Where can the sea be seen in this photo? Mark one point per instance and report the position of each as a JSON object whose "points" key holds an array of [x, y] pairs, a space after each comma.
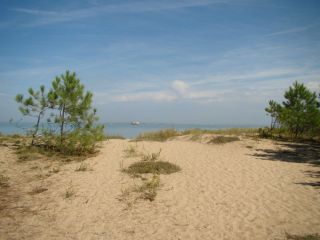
{"points": [[126, 129]]}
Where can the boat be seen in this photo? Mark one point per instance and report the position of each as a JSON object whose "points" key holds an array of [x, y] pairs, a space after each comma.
{"points": [[135, 123]]}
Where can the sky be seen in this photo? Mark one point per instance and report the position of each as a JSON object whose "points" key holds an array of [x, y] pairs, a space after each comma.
{"points": [[171, 61]]}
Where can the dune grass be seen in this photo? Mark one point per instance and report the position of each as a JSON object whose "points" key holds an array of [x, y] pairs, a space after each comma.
{"points": [[82, 167], [151, 163], [4, 181], [131, 151], [303, 237], [38, 190], [161, 135], [165, 134], [115, 136], [224, 139], [158, 167]]}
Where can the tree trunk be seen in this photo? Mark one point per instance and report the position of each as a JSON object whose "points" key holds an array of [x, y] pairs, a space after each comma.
{"points": [[62, 125], [36, 130]]}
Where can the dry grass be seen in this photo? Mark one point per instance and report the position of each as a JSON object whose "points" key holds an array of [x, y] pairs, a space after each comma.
{"points": [[4, 181], [303, 237], [115, 136], [132, 151], [151, 163], [196, 133], [69, 192], [82, 167], [149, 188], [161, 136], [37, 190]]}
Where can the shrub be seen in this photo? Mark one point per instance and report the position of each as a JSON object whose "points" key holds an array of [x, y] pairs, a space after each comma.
{"points": [[224, 139], [159, 167]]}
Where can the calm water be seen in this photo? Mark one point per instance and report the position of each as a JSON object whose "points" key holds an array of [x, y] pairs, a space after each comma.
{"points": [[125, 129]]}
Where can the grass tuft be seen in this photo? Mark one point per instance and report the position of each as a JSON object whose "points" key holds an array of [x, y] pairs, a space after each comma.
{"points": [[303, 237], [131, 151], [224, 139], [82, 167], [149, 188], [38, 190], [69, 192], [159, 167], [4, 181]]}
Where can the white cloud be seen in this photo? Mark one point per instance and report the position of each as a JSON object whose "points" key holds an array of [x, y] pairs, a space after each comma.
{"points": [[51, 17], [180, 86], [313, 86], [157, 96]]}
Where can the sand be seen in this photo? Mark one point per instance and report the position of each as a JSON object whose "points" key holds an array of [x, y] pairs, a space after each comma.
{"points": [[239, 190]]}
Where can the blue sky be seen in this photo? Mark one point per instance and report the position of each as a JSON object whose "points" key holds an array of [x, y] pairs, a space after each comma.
{"points": [[176, 61]]}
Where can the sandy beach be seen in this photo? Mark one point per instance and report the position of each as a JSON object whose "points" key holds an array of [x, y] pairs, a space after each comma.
{"points": [[248, 189]]}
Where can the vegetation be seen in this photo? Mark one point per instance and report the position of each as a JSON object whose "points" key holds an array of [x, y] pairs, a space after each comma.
{"points": [[159, 167], [303, 237], [161, 135], [69, 192], [149, 188], [151, 163], [71, 124], [114, 137], [82, 167], [38, 190], [4, 181], [165, 134], [224, 139], [34, 106], [131, 151], [298, 116]]}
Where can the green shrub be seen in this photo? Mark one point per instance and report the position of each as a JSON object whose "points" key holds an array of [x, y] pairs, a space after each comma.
{"points": [[265, 132], [159, 167], [224, 139]]}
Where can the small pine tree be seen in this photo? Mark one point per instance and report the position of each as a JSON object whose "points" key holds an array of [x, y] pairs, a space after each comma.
{"points": [[34, 106], [75, 116], [299, 113], [274, 110]]}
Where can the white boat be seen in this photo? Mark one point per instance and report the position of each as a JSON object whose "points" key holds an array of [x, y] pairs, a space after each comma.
{"points": [[135, 123]]}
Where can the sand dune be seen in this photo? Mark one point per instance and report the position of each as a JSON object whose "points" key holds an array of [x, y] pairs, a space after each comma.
{"points": [[223, 192]]}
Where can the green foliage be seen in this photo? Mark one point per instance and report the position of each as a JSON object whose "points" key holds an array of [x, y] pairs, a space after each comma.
{"points": [[70, 109], [299, 114], [33, 106], [274, 110]]}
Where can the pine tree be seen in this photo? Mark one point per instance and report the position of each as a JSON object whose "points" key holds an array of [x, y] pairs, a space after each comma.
{"points": [[75, 115], [34, 106]]}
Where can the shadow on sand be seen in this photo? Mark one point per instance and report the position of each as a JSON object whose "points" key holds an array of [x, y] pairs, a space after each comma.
{"points": [[305, 152]]}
